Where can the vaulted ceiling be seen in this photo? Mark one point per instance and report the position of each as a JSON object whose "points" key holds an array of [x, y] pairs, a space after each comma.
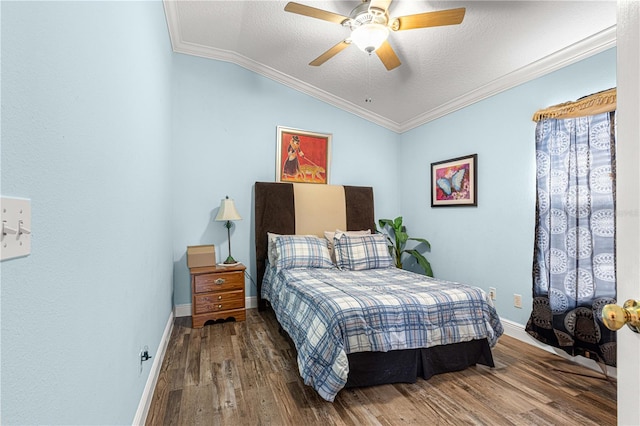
{"points": [[498, 45]]}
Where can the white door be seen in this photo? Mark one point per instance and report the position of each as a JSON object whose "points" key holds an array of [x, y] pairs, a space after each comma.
{"points": [[628, 203]]}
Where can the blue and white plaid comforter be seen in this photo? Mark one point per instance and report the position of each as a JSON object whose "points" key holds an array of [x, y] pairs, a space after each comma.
{"points": [[330, 313]]}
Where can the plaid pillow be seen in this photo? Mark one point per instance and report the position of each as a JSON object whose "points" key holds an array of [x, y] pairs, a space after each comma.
{"points": [[357, 253], [331, 235], [302, 251]]}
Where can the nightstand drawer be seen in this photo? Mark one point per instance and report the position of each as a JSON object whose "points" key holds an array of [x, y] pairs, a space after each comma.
{"points": [[217, 293], [223, 281], [215, 302]]}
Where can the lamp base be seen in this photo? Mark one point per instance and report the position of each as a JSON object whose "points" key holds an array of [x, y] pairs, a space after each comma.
{"points": [[230, 260]]}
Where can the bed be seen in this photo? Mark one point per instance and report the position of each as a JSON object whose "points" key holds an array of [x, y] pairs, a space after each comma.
{"points": [[359, 324]]}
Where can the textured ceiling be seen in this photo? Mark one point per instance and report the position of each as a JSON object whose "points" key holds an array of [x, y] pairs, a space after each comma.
{"points": [[499, 44]]}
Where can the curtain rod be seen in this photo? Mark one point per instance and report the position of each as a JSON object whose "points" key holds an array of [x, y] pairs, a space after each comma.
{"points": [[597, 103]]}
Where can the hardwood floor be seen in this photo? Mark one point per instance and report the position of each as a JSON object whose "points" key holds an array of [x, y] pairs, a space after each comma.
{"points": [[246, 374]]}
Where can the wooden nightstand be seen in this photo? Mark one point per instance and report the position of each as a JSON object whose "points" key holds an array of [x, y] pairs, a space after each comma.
{"points": [[217, 293]]}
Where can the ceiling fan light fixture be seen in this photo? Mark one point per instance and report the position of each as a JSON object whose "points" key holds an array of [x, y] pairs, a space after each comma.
{"points": [[369, 37]]}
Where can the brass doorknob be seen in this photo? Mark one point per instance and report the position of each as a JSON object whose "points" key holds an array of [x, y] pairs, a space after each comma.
{"points": [[614, 316]]}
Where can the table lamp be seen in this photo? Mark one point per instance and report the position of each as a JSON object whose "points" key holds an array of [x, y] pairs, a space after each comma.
{"points": [[226, 214]]}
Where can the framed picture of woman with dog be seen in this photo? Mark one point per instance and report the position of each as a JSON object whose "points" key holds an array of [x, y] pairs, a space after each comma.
{"points": [[302, 156]]}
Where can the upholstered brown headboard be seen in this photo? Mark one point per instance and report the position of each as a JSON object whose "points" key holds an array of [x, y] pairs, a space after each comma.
{"points": [[303, 208]]}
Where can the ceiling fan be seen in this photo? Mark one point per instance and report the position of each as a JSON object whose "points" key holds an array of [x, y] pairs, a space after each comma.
{"points": [[370, 23]]}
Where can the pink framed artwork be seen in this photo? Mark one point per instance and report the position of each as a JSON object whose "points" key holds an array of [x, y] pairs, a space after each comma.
{"points": [[302, 156], [454, 182]]}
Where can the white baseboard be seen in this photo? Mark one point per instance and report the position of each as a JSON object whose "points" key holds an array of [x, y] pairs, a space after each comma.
{"points": [[145, 401], [517, 331], [182, 310], [250, 302]]}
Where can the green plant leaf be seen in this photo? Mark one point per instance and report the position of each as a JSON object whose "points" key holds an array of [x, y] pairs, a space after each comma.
{"points": [[397, 238], [423, 241], [397, 224], [422, 261], [385, 222], [402, 238]]}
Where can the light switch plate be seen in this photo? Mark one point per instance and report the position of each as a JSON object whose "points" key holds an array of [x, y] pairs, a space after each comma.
{"points": [[15, 238]]}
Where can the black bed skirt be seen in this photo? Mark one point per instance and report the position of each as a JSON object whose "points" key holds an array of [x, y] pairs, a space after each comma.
{"points": [[405, 366]]}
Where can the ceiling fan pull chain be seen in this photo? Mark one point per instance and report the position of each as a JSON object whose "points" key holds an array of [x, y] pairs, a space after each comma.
{"points": [[368, 99]]}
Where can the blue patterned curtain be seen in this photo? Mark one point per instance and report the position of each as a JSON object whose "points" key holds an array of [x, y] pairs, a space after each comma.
{"points": [[574, 267]]}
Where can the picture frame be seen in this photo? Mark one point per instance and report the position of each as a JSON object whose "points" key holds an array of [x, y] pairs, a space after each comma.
{"points": [[302, 156], [454, 182]]}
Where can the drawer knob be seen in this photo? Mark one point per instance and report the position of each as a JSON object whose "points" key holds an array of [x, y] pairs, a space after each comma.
{"points": [[219, 297], [219, 306], [219, 281]]}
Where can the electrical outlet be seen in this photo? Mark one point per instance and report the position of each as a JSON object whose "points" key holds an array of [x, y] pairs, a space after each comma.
{"points": [[517, 301], [144, 356], [492, 293]]}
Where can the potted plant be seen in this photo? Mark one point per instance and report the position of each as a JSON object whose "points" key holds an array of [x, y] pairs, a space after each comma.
{"points": [[397, 236]]}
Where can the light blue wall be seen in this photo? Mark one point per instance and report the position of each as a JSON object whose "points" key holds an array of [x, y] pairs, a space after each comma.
{"points": [[86, 132], [491, 245], [224, 134], [126, 150]]}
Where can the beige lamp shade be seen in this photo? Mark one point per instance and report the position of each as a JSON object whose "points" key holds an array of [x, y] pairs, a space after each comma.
{"points": [[227, 211], [226, 214]]}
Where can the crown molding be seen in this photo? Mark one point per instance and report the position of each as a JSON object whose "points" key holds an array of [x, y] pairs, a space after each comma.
{"points": [[581, 50], [287, 80], [180, 46]]}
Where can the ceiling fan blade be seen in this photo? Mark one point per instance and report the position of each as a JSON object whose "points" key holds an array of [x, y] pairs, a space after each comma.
{"points": [[429, 19], [330, 53], [388, 56], [312, 12], [380, 4]]}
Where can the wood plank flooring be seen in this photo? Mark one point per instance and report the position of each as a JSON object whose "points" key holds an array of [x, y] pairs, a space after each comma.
{"points": [[246, 374]]}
